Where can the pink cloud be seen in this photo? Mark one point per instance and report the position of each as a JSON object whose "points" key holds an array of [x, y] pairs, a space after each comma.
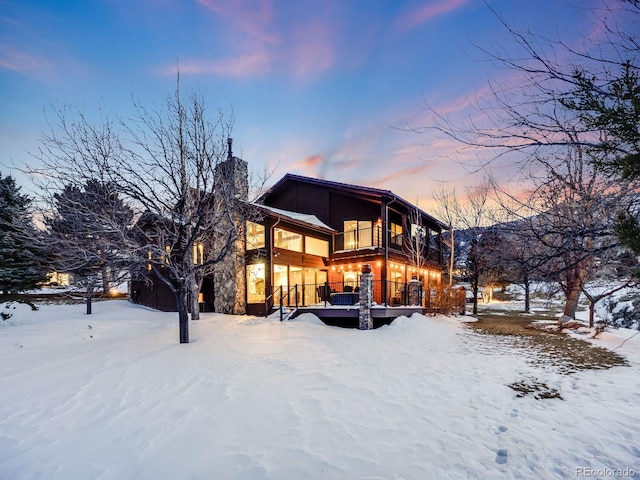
{"points": [[416, 17], [252, 64], [250, 17], [403, 174], [261, 43], [309, 162], [313, 50], [247, 24], [21, 62]]}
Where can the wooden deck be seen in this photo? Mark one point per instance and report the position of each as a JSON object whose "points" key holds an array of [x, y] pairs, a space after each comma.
{"points": [[348, 316]]}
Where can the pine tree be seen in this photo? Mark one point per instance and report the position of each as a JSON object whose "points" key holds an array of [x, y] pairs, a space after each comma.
{"points": [[611, 107], [88, 233], [22, 261]]}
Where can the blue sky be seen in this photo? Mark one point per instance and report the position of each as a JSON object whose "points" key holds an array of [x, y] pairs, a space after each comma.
{"points": [[318, 88]]}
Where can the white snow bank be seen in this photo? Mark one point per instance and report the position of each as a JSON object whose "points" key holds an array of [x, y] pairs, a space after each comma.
{"points": [[114, 396]]}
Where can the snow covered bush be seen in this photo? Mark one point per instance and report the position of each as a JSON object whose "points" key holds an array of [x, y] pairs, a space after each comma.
{"points": [[7, 312], [625, 311]]}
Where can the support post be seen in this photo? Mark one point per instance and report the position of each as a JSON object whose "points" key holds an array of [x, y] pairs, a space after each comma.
{"points": [[366, 298], [414, 288], [327, 292]]}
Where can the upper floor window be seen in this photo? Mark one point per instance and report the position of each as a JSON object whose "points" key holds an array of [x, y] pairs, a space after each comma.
{"points": [[434, 240], [255, 236], [287, 240], [358, 234], [419, 233], [396, 233], [316, 246]]}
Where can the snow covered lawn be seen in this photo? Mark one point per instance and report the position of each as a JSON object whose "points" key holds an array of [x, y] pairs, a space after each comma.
{"points": [[114, 396]]}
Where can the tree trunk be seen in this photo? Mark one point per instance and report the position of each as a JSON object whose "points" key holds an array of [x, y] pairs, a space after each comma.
{"points": [[571, 304], [196, 285], [194, 305], [88, 297], [182, 295], [451, 260], [105, 280], [527, 296], [474, 289]]}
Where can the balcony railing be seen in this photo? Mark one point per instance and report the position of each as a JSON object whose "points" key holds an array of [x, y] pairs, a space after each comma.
{"points": [[359, 239], [438, 299]]}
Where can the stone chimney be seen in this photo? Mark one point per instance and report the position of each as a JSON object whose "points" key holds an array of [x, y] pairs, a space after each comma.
{"points": [[231, 188]]}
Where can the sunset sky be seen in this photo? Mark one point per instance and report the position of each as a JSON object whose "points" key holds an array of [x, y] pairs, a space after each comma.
{"points": [[318, 88]]}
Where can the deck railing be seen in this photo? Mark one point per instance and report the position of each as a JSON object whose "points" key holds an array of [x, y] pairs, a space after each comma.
{"points": [[437, 300]]}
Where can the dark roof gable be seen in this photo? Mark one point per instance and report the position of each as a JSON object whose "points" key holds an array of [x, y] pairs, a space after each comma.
{"points": [[345, 187]]}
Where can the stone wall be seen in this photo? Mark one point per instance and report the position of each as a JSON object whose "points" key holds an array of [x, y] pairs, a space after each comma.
{"points": [[230, 188], [365, 321]]}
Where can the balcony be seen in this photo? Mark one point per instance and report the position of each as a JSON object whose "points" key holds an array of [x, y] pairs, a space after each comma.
{"points": [[359, 239]]}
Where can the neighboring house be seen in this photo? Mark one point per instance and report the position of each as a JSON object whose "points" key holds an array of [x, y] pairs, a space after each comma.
{"points": [[318, 231], [312, 238], [59, 279]]}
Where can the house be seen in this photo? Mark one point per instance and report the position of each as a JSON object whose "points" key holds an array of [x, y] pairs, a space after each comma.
{"points": [[317, 234], [307, 245]]}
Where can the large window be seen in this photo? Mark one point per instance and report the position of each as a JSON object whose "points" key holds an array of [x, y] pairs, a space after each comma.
{"points": [[297, 280], [433, 240], [280, 277], [350, 279], [316, 246], [396, 284], [255, 283], [419, 232], [287, 240], [255, 236], [358, 234], [280, 284], [396, 233]]}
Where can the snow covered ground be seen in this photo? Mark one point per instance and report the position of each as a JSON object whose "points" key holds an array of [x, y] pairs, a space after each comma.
{"points": [[114, 396]]}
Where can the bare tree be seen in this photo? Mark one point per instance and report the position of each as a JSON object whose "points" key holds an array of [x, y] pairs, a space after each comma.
{"points": [[567, 214], [446, 210], [471, 214], [570, 119], [518, 251], [173, 166], [416, 243]]}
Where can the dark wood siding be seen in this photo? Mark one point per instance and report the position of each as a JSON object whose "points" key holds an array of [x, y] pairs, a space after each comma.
{"points": [[346, 207], [303, 198], [330, 206], [155, 295]]}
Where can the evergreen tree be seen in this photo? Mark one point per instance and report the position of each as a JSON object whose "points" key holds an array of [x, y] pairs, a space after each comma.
{"points": [[22, 261], [628, 231], [88, 234], [610, 107]]}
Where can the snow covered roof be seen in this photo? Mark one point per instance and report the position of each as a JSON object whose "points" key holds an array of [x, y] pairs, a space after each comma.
{"points": [[305, 218]]}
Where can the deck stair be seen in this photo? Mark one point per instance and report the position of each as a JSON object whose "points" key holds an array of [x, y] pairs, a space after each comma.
{"points": [[288, 315]]}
